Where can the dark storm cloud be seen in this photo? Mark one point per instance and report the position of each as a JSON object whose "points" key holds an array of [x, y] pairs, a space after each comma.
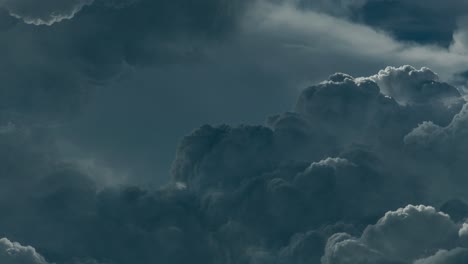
{"points": [[356, 187], [61, 212], [419, 21], [307, 187], [60, 65], [321, 183], [206, 56], [427, 22]]}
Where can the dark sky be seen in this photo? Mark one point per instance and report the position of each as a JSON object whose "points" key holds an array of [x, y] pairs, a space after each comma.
{"points": [[233, 131]]}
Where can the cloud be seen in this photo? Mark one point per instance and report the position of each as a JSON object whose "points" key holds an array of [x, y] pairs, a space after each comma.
{"points": [[350, 150], [45, 13], [15, 253], [62, 64], [411, 86], [400, 236], [224, 46], [421, 22], [78, 58], [454, 256], [446, 139], [326, 171], [298, 30]]}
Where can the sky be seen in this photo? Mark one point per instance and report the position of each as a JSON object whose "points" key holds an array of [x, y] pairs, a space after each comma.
{"points": [[234, 132]]}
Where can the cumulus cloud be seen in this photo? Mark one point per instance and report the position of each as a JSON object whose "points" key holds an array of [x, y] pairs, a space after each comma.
{"points": [[401, 236], [448, 139], [357, 186], [411, 86], [352, 148], [277, 192], [15, 253]]}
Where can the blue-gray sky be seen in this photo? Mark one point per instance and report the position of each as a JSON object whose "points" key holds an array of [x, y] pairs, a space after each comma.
{"points": [[221, 131]]}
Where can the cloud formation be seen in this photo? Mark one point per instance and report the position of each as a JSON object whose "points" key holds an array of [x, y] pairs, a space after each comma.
{"points": [[414, 234], [47, 13], [308, 186], [15, 253], [423, 22]]}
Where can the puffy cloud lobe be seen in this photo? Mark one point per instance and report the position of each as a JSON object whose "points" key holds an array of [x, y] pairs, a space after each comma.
{"points": [[401, 236], [411, 86], [233, 154], [449, 140], [464, 230], [347, 103], [404, 233], [15, 253], [421, 91], [303, 248], [44, 13], [395, 100], [341, 248]]}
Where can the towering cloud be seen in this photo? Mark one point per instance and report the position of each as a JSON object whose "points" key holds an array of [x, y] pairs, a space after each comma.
{"points": [[321, 183], [309, 186]]}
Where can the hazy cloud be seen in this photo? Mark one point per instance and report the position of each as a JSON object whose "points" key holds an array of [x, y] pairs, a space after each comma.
{"points": [[47, 13]]}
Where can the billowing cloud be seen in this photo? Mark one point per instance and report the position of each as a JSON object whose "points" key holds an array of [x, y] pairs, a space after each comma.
{"points": [[411, 86], [308, 184], [402, 236], [448, 139], [326, 171], [15, 253]]}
